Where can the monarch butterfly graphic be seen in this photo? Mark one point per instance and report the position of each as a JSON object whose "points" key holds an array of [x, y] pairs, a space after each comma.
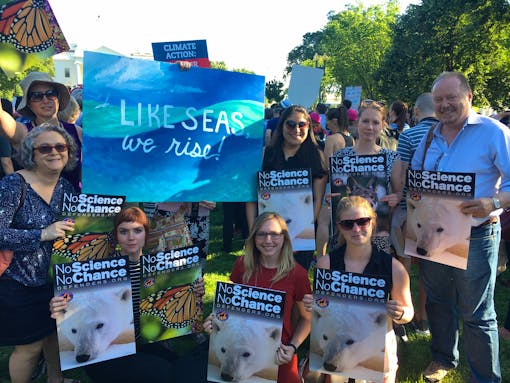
{"points": [[176, 306], [84, 247], [25, 25]]}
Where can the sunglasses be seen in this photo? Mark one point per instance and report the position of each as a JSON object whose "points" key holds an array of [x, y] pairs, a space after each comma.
{"points": [[348, 224], [272, 235], [368, 102], [292, 124], [51, 94], [47, 149]]}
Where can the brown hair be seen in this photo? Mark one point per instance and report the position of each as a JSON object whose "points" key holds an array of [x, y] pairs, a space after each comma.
{"points": [[131, 214]]}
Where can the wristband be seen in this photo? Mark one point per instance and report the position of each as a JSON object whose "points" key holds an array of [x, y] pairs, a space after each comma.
{"points": [[294, 347]]}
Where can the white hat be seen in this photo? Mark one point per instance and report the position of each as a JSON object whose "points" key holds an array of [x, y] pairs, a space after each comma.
{"points": [[45, 78]]}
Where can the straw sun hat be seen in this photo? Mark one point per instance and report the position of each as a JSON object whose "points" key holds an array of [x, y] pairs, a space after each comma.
{"points": [[44, 78]]}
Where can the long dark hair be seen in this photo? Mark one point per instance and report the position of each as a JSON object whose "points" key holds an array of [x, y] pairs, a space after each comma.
{"points": [[309, 151]]}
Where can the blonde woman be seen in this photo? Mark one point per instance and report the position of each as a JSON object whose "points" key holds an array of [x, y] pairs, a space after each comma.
{"points": [[356, 222], [268, 262]]}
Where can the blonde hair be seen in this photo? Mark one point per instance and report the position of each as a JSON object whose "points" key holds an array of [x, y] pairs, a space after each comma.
{"points": [[351, 202], [251, 257]]}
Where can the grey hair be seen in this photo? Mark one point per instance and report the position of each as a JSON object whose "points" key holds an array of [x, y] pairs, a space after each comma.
{"points": [[464, 84], [27, 147]]}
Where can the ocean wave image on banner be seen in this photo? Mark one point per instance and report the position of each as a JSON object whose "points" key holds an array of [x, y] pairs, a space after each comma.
{"points": [[154, 132]]}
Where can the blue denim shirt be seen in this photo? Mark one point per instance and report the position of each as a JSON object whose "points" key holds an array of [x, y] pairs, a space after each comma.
{"points": [[31, 259]]}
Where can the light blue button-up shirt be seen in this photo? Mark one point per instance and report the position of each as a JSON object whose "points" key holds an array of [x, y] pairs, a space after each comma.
{"points": [[482, 147]]}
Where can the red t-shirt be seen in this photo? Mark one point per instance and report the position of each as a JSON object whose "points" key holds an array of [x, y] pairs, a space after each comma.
{"points": [[296, 284]]}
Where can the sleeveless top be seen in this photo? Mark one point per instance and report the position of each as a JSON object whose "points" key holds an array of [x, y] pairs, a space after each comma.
{"points": [[380, 263], [73, 175], [348, 139]]}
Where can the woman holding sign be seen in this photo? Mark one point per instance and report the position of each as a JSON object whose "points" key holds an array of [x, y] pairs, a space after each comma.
{"points": [[268, 262], [293, 146], [152, 362], [30, 203], [371, 122], [355, 221]]}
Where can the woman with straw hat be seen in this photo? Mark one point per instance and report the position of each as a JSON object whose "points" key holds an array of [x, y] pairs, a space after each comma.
{"points": [[42, 99]]}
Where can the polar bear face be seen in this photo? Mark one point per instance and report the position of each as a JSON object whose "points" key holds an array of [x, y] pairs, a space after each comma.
{"points": [[242, 348], [92, 321]]}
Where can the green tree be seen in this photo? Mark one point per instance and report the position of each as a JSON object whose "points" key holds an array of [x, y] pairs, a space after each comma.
{"points": [[307, 51], [9, 86], [356, 41], [471, 36], [274, 91], [219, 65]]}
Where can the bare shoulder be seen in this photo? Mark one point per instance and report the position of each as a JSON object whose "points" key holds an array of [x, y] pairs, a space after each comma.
{"points": [[323, 262]]}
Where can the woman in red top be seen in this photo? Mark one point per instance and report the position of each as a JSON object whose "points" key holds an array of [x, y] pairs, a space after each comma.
{"points": [[268, 262]]}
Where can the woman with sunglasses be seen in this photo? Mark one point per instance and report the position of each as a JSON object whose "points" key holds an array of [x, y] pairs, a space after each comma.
{"points": [[42, 99], [268, 262], [371, 122], [356, 220], [30, 204], [293, 146]]}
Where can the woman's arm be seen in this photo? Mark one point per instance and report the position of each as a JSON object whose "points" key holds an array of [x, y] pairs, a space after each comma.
{"points": [[302, 330], [400, 306], [319, 188], [13, 130], [396, 185]]}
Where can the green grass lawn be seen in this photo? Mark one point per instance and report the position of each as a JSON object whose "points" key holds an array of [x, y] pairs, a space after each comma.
{"points": [[414, 356]]}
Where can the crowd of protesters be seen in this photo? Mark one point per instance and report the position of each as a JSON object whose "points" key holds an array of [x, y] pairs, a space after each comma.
{"points": [[40, 157]]}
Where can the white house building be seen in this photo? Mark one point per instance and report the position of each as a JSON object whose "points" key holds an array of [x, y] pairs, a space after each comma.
{"points": [[69, 65]]}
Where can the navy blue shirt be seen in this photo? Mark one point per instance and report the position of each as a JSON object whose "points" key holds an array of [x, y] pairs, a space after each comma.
{"points": [[31, 259]]}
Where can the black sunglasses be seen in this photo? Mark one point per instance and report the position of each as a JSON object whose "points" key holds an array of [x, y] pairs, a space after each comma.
{"points": [[292, 124], [47, 149], [348, 224], [51, 94]]}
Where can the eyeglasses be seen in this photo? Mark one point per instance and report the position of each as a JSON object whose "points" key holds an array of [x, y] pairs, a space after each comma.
{"points": [[47, 149], [264, 234], [51, 94], [368, 102], [292, 124], [348, 224]]}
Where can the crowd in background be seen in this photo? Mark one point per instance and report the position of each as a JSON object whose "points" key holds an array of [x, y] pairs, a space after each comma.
{"points": [[40, 156]]}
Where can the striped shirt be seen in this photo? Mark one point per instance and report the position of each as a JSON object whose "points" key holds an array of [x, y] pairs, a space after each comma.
{"points": [[134, 272], [408, 142]]}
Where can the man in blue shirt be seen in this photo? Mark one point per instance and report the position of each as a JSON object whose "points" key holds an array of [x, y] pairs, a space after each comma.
{"points": [[466, 142]]}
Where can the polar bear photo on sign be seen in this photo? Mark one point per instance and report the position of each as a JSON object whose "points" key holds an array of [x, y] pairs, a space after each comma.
{"points": [[243, 350], [96, 326], [437, 230], [348, 339]]}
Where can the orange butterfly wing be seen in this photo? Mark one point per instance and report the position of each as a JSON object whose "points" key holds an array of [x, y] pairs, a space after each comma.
{"points": [[25, 24], [7, 15], [176, 306], [82, 247]]}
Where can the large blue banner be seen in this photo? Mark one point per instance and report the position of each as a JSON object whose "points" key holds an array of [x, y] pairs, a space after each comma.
{"points": [[154, 132]]}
